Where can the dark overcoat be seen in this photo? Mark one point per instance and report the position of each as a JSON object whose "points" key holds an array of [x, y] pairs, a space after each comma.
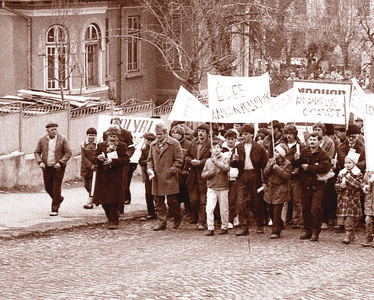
{"points": [[166, 165], [195, 171], [109, 178]]}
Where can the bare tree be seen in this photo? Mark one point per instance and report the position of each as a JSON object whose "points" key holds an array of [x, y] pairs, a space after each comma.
{"points": [[195, 36]]}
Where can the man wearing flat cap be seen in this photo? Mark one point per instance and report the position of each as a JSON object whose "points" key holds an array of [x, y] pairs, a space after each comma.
{"points": [[52, 153]]}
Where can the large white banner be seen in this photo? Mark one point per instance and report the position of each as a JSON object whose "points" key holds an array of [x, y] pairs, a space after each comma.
{"points": [[321, 102], [369, 131], [136, 125], [282, 107], [238, 99], [188, 108]]}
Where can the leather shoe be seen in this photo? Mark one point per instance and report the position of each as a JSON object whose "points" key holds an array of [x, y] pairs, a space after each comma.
{"points": [[314, 237], [275, 236], [177, 224], [260, 229], [200, 227], [306, 235], [210, 233], [159, 228], [243, 232], [223, 231], [112, 226]]}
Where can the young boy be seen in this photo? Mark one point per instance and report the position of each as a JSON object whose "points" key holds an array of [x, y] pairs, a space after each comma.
{"points": [[148, 138], [216, 172], [368, 188], [88, 149]]}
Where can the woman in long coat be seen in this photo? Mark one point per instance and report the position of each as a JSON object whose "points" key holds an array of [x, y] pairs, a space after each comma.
{"points": [[111, 156]]}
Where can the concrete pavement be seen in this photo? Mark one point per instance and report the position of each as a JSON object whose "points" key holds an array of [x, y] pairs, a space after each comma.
{"points": [[23, 214]]}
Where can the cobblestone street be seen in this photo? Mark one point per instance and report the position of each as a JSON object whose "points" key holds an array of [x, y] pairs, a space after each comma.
{"points": [[135, 262]]}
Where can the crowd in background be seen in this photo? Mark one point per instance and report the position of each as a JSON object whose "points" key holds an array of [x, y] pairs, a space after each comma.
{"points": [[225, 175]]}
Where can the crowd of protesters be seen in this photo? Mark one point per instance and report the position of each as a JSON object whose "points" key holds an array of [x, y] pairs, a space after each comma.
{"points": [[225, 173]]}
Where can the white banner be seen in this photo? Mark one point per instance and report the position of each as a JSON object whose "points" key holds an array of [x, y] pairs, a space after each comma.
{"points": [[238, 99], [357, 105], [321, 102], [188, 108], [282, 107], [369, 131], [136, 125]]}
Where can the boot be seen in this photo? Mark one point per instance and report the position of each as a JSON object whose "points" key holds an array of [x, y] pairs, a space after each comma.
{"points": [[89, 204], [369, 235], [349, 236], [368, 241]]}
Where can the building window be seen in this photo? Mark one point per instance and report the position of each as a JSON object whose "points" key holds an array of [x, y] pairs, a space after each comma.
{"points": [[57, 57], [92, 47], [133, 43]]}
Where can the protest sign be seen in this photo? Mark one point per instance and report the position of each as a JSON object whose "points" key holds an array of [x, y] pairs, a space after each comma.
{"points": [[369, 131], [188, 108], [136, 125], [282, 107], [357, 104], [238, 99], [321, 102]]}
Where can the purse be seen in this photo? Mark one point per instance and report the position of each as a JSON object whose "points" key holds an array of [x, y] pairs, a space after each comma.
{"points": [[325, 176]]}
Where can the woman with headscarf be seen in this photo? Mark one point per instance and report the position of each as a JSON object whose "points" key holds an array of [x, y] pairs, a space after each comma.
{"points": [[111, 156]]}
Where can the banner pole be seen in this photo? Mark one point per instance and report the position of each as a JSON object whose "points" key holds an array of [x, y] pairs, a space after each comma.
{"points": [[272, 136]]}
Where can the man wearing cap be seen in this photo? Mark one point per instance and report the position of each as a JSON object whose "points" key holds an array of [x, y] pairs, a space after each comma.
{"points": [[196, 155], [52, 153], [352, 141]]}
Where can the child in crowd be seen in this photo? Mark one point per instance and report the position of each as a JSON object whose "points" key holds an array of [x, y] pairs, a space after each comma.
{"points": [[88, 149], [277, 190], [216, 172], [148, 139], [348, 189], [368, 189], [228, 149]]}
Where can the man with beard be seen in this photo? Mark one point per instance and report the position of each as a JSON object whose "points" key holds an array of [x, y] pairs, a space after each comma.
{"points": [[197, 154]]}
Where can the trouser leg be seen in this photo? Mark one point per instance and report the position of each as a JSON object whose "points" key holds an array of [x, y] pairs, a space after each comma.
{"points": [[210, 206], [161, 210]]}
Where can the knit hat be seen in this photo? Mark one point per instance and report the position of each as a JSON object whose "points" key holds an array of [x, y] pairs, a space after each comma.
{"points": [[352, 129], [353, 156], [282, 149]]}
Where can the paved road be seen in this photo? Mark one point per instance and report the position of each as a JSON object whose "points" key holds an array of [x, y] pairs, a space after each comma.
{"points": [[135, 262]]}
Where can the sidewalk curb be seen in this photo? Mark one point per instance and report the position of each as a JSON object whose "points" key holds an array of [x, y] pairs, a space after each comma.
{"points": [[48, 229]]}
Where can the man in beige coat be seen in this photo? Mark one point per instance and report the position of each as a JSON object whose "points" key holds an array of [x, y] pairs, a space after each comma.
{"points": [[163, 164], [52, 153]]}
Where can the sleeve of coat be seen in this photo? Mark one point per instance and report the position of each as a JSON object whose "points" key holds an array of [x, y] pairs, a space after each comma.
{"points": [[264, 157], [123, 157], [85, 161], [284, 173], [67, 152], [178, 156], [38, 152], [150, 163], [323, 166]]}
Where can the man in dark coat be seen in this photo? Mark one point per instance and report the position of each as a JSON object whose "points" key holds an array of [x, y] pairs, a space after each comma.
{"points": [[197, 154], [251, 160], [164, 162], [312, 161], [352, 141], [52, 154], [111, 156]]}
